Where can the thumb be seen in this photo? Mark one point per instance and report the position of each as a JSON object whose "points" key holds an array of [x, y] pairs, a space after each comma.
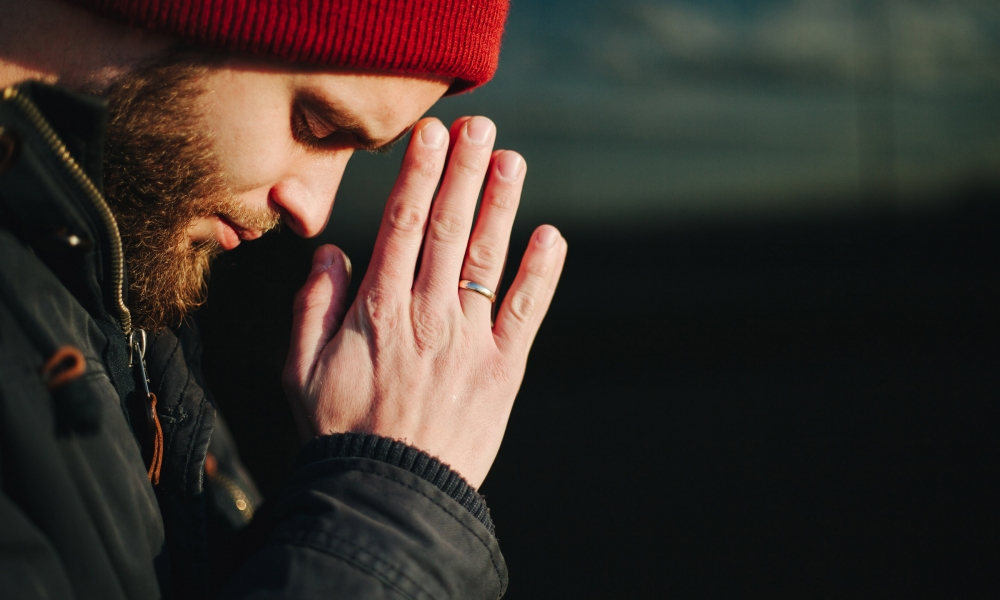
{"points": [[318, 312]]}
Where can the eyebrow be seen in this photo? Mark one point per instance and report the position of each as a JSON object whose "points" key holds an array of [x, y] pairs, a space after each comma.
{"points": [[342, 120]]}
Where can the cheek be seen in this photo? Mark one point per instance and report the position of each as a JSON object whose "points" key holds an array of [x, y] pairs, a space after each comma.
{"points": [[249, 122], [253, 165]]}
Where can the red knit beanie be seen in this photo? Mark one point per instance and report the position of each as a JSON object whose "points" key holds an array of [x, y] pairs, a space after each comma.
{"points": [[459, 39]]}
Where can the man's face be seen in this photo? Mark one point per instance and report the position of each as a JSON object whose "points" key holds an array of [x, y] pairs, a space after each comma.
{"points": [[283, 137], [203, 155]]}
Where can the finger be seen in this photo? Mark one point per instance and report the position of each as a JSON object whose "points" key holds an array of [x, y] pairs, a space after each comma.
{"points": [[453, 210], [318, 311], [402, 231], [487, 251], [454, 133], [456, 128], [529, 297]]}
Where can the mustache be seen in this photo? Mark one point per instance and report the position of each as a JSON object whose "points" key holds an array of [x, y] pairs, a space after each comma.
{"points": [[243, 217], [252, 219]]}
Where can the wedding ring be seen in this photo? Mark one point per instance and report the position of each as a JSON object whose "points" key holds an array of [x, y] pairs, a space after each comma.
{"points": [[465, 284]]}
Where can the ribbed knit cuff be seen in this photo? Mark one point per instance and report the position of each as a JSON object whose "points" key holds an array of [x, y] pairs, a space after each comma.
{"points": [[398, 454], [458, 39]]}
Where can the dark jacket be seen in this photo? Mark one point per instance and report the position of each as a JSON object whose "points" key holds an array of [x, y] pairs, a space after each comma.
{"points": [[360, 517]]}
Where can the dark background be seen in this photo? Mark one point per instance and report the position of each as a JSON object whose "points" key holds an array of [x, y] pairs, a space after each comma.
{"points": [[772, 367]]}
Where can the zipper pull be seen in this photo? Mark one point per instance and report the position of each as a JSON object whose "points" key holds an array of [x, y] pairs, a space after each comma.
{"points": [[144, 415]]}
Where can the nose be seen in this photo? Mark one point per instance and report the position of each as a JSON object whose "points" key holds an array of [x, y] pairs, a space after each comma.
{"points": [[305, 196]]}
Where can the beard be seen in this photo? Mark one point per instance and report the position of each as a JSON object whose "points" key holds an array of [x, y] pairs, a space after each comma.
{"points": [[161, 173]]}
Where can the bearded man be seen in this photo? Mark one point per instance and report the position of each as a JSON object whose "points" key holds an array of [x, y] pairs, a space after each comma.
{"points": [[138, 139]]}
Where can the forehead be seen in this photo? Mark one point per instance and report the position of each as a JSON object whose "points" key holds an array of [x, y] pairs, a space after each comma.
{"points": [[382, 104]]}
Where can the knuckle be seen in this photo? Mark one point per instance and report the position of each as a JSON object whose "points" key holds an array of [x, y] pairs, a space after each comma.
{"points": [[522, 306], [406, 218], [381, 311], [428, 330], [447, 225], [426, 168], [503, 199], [468, 164], [482, 257]]}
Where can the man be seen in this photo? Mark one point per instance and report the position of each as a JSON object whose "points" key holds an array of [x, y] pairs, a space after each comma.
{"points": [[223, 119]]}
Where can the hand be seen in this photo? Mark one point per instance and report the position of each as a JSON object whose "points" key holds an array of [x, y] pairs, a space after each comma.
{"points": [[415, 358]]}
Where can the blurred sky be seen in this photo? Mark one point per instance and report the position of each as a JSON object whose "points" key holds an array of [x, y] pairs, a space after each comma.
{"points": [[649, 111]]}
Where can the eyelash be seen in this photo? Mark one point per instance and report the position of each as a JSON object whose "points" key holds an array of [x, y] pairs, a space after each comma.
{"points": [[301, 132]]}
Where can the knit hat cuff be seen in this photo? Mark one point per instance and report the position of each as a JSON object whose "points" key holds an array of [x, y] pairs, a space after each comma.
{"points": [[456, 39]]}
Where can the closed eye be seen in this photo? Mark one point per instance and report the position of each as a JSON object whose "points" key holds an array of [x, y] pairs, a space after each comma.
{"points": [[313, 133], [319, 126]]}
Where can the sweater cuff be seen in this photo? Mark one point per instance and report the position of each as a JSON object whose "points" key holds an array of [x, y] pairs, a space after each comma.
{"points": [[398, 454]]}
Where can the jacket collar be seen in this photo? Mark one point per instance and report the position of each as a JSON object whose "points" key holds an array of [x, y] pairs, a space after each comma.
{"points": [[79, 120], [47, 209], [44, 206]]}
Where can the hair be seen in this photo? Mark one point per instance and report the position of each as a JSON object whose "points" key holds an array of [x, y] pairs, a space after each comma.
{"points": [[161, 173]]}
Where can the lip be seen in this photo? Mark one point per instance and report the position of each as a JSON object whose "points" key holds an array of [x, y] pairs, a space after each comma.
{"points": [[247, 234], [226, 233], [229, 234]]}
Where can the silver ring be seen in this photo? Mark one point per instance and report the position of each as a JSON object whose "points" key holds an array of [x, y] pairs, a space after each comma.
{"points": [[465, 284]]}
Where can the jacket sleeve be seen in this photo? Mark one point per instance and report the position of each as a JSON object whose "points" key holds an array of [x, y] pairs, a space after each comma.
{"points": [[370, 517], [360, 517]]}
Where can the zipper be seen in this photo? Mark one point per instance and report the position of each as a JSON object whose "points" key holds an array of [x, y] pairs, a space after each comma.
{"points": [[152, 442], [29, 110]]}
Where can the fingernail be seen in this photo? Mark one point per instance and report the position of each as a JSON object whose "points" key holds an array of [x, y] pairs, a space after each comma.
{"points": [[322, 262], [433, 135], [547, 237], [479, 129], [350, 269], [509, 164]]}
